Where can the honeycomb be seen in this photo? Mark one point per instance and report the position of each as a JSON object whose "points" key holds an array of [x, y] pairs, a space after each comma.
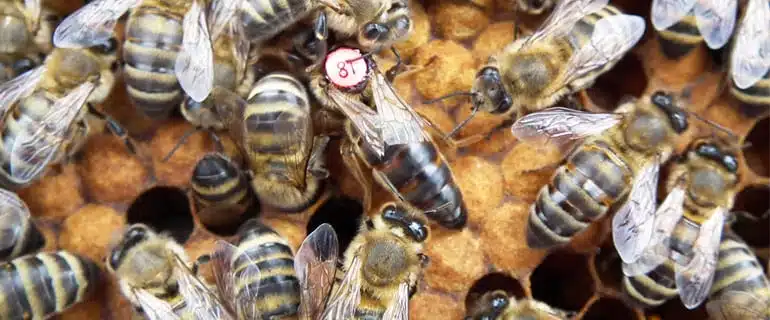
{"points": [[83, 204]]}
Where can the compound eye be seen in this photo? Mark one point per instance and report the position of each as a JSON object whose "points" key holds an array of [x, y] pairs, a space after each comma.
{"points": [[374, 31], [23, 65], [402, 23], [730, 163], [708, 151], [661, 99], [108, 47]]}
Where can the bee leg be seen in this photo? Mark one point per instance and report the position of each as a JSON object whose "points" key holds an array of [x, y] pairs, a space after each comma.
{"points": [[396, 69], [115, 128], [182, 141], [350, 159], [203, 259], [383, 181], [453, 143]]}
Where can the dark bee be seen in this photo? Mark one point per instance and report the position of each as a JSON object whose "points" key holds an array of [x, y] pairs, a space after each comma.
{"points": [[18, 234]]}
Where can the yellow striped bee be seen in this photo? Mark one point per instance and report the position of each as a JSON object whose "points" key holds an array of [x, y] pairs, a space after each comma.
{"points": [[220, 190], [615, 166], [42, 285], [750, 59], [741, 290], [684, 24], [679, 244], [18, 234], [579, 41], [27, 28], [497, 305]]}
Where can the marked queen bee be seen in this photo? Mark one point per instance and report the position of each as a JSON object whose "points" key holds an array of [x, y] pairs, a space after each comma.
{"points": [[498, 305], [683, 24], [615, 165], [750, 59], [679, 244], [18, 234], [579, 41]]}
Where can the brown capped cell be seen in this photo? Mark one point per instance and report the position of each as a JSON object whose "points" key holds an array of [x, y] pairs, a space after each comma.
{"points": [[503, 234], [459, 20], [110, 172], [447, 67], [527, 168], [500, 140], [481, 184], [420, 31], [428, 305], [56, 195], [492, 40], [455, 260], [482, 123], [90, 231], [292, 231], [50, 234], [437, 116], [177, 170], [90, 309]]}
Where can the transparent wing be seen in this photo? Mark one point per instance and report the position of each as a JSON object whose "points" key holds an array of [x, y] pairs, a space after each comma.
{"points": [[666, 217], [399, 306], [33, 8], [229, 107], [347, 295], [316, 165], [92, 24], [750, 59], [399, 122], [38, 143], [14, 216], [194, 65], [199, 299], [362, 117], [563, 17], [241, 299], [315, 264], [694, 279], [715, 20], [241, 47], [154, 308], [613, 36], [221, 13], [19, 87], [737, 305], [562, 125], [632, 224], [665, 13]]}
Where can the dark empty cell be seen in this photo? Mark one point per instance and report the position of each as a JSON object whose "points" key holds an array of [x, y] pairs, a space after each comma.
{"points": [[165, 209], [608, 267], [608, 308], [754, 229], [674, 309], [616, 84], [343, 214], [563, 281], [231, 229], [757, 151], [491, 282]]}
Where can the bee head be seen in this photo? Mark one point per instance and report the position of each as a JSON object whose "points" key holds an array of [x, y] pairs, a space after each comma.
{"points": [[534, 6], [391, 25], [489, 94], [133, 236], [676, 116], [23, 65], [712, 173], [412, 227]]}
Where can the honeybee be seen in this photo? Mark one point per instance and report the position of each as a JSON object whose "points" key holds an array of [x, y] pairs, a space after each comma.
{"points": [[750, 59], [42, 285], [18, 234], [684, 24], [275, 133], [679, 247], [381, 266], [220, 190], [617, 163], [27, 28], [579, 41], [11, 67], [498, 305], [42, 110], [740, 290], [534, 7]]}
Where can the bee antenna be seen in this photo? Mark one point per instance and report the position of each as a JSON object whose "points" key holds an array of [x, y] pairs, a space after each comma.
{"points": [[462, 124], [451, 95], [181, 141], [714, 125]]}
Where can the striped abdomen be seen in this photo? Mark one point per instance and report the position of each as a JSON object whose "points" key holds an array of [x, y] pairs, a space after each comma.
{"points": [[153, 40], [681, 38], [27, 239], [37, 286], [264, 19], [755, 100], [738, 269], [278, 285], [581, 191], [219, 189], [419, 172], [581, 35]]}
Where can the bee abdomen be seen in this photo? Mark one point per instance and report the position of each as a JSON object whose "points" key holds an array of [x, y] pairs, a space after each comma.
{"points": [[681, 38], [29, 239], [150, 54], [581, 35], [264, 19], [217, 180], [37, 286], [738, 269], [277, 103], [646, 290], [755, 100]]}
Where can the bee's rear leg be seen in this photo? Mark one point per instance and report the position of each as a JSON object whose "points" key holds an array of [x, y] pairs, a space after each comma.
{"points": [[115, 128]]}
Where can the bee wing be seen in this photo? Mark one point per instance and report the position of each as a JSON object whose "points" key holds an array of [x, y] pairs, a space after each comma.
{"points": [[737, 305], [347, 295], [229, 107], [715, 20], [563, 17], [400, 123], [562, 125], [632, 224], [295, 133], [665, 13], [316, 163], [19, 87], [32, 151], [612, 37], [32, 9], [194, 65], [666, 218], [694, 279], [315, 264], [154, 308], [750, 59], [199, 299], [399, 306], [92, 24], [221, 14], [243, 299], [363, 118], [14, 215], [241, 48]]}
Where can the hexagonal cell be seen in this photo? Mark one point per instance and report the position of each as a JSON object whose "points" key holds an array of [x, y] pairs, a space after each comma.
{"points": [[674, 309], [562, 270], [230, 229], [613, 86], [165, 209], [343, 214], [491, 282], [754, 229], [609, 308], [758, 151]]}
